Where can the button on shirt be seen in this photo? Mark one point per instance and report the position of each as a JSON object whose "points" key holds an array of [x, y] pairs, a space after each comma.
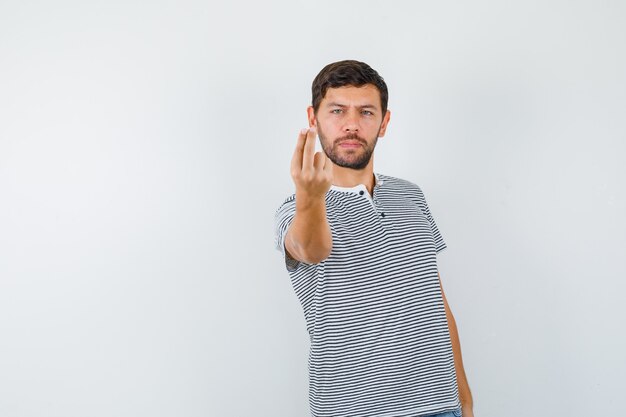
{"points": [[380, 344]]}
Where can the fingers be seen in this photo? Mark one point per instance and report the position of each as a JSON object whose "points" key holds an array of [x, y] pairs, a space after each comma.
{"points": [[309, 149], [296, 160], [311, 171], [319, 161], [306, 159]]}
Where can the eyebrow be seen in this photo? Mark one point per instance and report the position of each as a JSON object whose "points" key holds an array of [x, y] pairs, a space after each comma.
{"points": [[365, 106]]}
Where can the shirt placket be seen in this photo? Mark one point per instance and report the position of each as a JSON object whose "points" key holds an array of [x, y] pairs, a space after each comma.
{"points": [[380, 212]]}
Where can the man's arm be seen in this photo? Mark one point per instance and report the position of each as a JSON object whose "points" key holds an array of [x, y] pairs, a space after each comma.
{"points": [[467, 404], [309, 238]]}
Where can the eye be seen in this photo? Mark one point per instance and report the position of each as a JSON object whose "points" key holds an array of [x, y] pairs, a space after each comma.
{"points": [[367, 113], [336, 111]]}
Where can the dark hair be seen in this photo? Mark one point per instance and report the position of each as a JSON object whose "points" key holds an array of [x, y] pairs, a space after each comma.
{"points": [[347, 73]]}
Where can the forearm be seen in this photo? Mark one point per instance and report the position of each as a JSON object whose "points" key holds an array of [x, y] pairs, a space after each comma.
{"points": [[309, 238], [464, 390]]}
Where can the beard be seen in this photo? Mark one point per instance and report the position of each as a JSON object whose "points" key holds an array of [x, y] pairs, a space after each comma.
{"points": [[355, 158]]}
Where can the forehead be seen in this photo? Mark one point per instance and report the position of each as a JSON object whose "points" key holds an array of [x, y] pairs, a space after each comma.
{"points": [[348, 95]]}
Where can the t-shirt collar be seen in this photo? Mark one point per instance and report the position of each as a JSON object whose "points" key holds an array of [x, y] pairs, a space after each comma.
{"points": [[358, 187]]}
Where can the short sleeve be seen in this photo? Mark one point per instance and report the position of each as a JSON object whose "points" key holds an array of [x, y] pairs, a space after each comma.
{"points": [[440, 244], [282, 221]]}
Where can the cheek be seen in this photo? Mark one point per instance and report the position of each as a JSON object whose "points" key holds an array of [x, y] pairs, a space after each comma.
{"points": [[329, 125], [371, 124]]}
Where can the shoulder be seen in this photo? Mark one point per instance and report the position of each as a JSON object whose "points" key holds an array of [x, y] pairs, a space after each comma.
{"points": [[401, 186], [287, 208], [287, 202]]}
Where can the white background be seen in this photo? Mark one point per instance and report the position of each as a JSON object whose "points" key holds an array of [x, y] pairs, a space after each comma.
{"points": [[145, 146]]}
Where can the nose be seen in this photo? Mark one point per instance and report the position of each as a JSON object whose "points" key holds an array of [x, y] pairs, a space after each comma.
{"points": [[351, 122]]}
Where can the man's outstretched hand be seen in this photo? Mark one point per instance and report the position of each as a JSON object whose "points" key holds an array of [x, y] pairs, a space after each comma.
{"points": [[312, 172]]}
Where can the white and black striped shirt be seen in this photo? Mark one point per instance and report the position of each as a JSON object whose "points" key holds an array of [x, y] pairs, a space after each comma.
{"points": [[380, 344]]}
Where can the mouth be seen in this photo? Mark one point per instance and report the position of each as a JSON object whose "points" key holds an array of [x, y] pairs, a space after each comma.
{"points": [[350, 144]]}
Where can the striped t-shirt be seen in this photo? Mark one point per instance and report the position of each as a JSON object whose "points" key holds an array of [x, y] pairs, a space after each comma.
{"points": [[380, 344]]}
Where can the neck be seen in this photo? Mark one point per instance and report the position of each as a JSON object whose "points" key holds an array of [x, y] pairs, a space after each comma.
{"points": [[348, 177]]}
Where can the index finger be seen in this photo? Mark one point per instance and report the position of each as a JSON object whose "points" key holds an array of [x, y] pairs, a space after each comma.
{"points": [[296, 161], [309, 148]]}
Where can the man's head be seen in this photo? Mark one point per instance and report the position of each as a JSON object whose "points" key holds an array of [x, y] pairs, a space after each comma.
{"points": [[347, 73], [349, 109]]}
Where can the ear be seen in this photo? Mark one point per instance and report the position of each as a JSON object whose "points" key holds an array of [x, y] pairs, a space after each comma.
{"points": [[383, 125], [310, 113]]}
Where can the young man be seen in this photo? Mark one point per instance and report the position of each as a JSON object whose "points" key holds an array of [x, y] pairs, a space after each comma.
{"points": [[360, 248]]}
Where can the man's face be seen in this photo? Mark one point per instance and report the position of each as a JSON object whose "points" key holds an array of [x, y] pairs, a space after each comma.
{"points": [[349, 122]]}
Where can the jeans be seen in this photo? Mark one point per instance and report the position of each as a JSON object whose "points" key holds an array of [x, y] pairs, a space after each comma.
{"points": [[455, 413]]}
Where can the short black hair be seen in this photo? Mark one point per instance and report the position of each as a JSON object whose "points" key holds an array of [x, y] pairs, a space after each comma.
{"points": [[347, 73]]}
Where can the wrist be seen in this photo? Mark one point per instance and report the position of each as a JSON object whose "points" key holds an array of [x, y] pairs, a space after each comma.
{"points": [[306, 201]]}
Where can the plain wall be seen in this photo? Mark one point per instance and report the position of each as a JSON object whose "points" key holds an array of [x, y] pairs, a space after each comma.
{"points": [[145, 146]]}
